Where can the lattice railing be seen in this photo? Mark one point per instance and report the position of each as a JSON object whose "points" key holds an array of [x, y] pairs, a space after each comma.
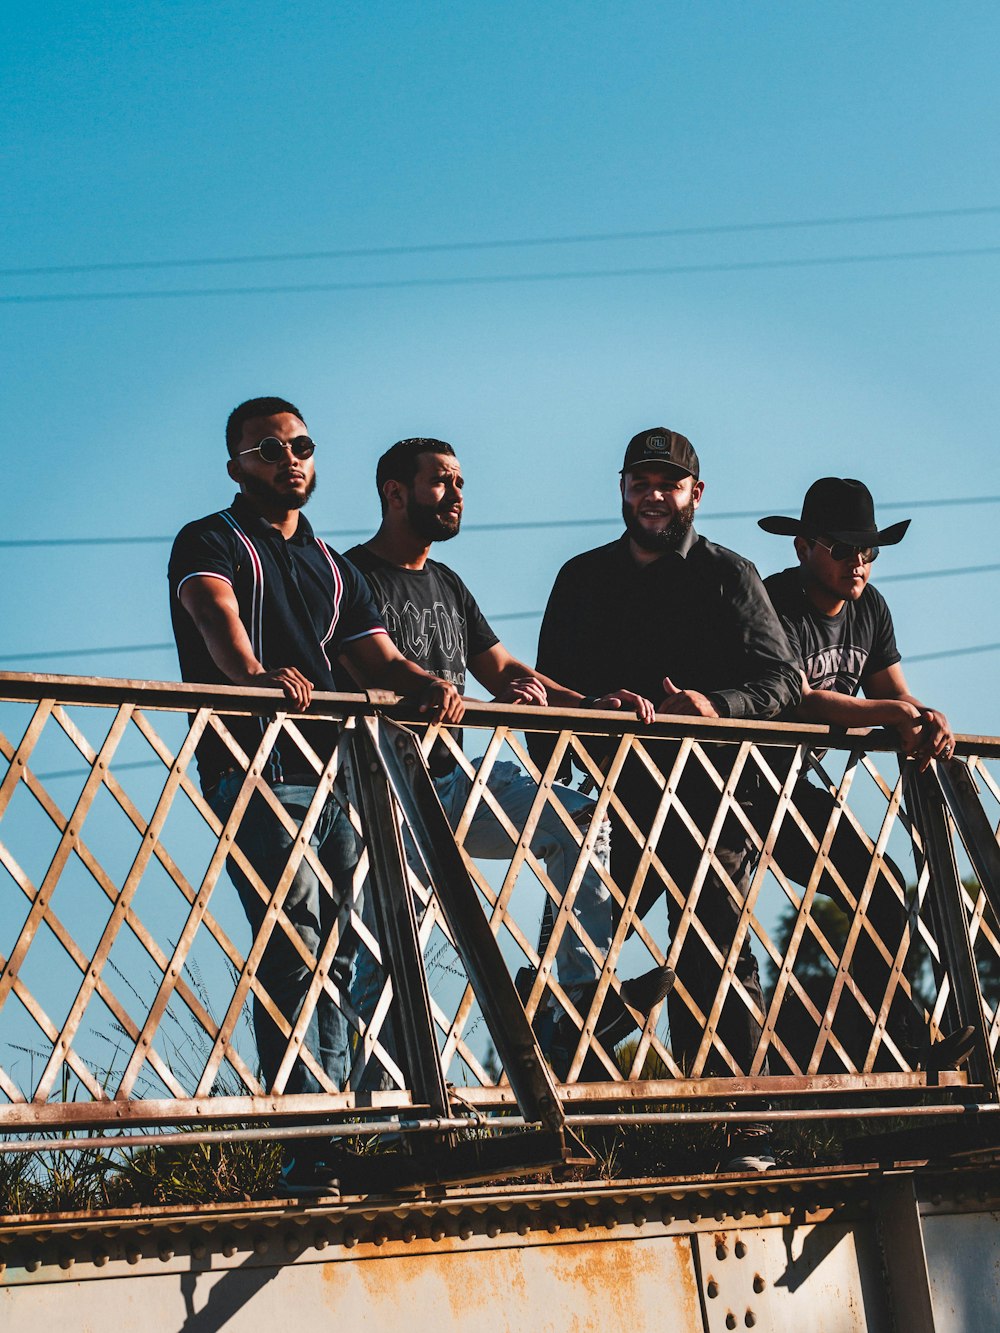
{"points": [[127, 964]]}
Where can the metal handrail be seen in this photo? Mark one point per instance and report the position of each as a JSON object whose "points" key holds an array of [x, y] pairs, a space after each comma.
{"points": [[65, 997]]}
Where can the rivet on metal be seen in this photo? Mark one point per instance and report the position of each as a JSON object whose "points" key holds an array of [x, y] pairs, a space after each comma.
{"points": [[712, 1290], [740, 1250], [721, 1250], [730, 1320], [758, 1283], [165, 1253], [749, 1319]]}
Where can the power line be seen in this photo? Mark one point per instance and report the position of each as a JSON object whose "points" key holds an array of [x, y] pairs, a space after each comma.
{"points": [[525, 525], [498, 279], [937, 573], [523, 242], [951, 652]]}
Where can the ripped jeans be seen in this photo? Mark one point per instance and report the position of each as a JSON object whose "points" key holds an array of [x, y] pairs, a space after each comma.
{"points": [[552, 842]]}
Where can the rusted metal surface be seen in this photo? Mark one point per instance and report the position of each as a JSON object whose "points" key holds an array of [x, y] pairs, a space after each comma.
{"points": [[789, 1252], [126, 966]]}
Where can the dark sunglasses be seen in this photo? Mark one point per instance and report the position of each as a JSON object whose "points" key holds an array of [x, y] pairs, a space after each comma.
{"points": [[272, 450], [845, 551]]}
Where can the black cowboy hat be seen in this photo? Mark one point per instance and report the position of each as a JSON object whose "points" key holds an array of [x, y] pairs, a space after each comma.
{"points": [[841, 508]]}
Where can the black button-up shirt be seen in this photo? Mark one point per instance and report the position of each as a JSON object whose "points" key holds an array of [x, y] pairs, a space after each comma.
{"points": [[699, 615], [300, 603]]}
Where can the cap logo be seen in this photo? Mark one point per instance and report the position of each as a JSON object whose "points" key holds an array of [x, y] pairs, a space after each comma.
{"points": [[657, 443]]}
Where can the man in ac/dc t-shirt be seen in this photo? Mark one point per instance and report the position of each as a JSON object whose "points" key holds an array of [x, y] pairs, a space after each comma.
{"points": [[841, 633], [433, 618]]}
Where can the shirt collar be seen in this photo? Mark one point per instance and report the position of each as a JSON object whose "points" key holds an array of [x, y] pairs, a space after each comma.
{"points": [[250, 519], [682, 551]]}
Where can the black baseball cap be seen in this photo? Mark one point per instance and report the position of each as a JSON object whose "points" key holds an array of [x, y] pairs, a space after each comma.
{"points": [[664, 447]]}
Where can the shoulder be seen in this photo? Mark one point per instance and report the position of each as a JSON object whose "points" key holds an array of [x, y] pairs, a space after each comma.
{"points": [[215, 532], [444, 574], [722, 568], [785, 591], [598, 559], [873, 600], [711, 553]]}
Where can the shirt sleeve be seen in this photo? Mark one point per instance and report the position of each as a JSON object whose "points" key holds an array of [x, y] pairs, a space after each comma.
{"points": [[771, 678], [883, 652], [477, 628], [359, 615], [201, 548]]}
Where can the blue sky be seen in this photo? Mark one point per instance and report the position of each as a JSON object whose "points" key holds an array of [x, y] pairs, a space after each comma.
{"points": [[182, 132]]}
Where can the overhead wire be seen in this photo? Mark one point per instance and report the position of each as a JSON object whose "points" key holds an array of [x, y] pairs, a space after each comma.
{"points": [[515, 525], [499, 279], [513, 243]]}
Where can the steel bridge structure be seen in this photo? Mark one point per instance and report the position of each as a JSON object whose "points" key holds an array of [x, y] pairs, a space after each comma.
{"points": [[868, 892]]}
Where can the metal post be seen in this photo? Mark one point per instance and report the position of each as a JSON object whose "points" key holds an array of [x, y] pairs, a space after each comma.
{"points": [[397, 923], [410, 782], [904, 1259], [927, 805]]}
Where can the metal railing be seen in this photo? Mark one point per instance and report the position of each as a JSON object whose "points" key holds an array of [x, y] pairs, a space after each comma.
{"points": [[864, 891]]}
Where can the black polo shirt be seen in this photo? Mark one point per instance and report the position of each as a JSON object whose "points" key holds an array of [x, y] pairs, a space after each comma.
{"points": [[300, 602]]}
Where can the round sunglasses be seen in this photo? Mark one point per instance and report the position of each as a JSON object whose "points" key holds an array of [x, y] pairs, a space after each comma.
{"points": [[272, 450]]}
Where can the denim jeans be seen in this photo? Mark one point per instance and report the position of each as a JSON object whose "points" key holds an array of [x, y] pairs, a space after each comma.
{"points": [[311, 910], [552, 842], [515, 792]]}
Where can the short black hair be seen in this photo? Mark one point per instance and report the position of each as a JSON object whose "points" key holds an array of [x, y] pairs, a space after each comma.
{"points": [[254, 407], [402, 462]]}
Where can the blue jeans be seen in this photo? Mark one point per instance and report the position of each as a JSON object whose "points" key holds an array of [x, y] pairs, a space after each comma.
{"points": [[552, 842], [311, 910]]}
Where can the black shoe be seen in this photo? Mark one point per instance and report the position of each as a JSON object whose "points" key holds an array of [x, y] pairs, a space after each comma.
{"points": [[952, 1051], [308, 1176], [617, 1019]]}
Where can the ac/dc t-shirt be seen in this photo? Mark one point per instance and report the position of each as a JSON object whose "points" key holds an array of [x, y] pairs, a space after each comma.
{"points": [[840, 652], [432, 618]]}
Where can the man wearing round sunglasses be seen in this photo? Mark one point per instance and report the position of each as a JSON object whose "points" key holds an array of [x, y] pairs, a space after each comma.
{"points": [[841, 632], [257, 599]]}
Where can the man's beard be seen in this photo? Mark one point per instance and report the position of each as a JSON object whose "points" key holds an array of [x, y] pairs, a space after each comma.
{"points": [[429, 523], [663, 539], [275, 498]]}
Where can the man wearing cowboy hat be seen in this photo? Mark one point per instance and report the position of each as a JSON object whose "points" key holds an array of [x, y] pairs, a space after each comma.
{"points": [[841, 626], [841, 634]]}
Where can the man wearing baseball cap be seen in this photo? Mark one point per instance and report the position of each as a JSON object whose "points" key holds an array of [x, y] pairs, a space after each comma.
{"points": [[841, 634], [687, 623]]}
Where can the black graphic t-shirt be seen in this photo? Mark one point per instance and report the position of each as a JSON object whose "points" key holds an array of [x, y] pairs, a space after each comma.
{"points": [[838, 652], [432, 618]]}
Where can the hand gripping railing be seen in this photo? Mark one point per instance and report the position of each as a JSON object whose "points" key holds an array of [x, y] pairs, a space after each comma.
{"points": [[866, 900]]}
